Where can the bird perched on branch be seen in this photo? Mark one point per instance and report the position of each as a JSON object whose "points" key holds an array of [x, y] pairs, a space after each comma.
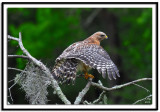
{"points": [[82, 56]]}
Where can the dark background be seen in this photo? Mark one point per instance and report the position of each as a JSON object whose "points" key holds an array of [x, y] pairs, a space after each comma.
{"points": [[46, 32]]}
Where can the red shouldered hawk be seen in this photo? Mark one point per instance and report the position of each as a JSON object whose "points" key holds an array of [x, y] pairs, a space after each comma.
{"points": [[82, 56]]}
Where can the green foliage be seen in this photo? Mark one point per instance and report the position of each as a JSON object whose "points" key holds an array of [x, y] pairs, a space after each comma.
{"points": [[50, 29], [136, 36], [46, 32]]}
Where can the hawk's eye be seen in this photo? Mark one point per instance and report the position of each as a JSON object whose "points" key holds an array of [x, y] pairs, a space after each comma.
{"points": [[102, 35]]}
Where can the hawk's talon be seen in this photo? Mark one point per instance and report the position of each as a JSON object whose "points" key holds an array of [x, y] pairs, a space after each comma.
{"points": [[91, 76], [86, 76]]}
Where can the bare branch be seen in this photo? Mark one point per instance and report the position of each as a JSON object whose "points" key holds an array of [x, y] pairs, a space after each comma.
{"points": [[43, 68], [18, 56], [141, 87], [101, 95], [118, 86], [83, 92], [13, 38], [16, 69], [11, 80], [86, 102], [99, 98], [9, 89], [142, 99]]}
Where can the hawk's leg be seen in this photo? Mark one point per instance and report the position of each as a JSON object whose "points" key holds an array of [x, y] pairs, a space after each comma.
{"points": [[86, 75]]}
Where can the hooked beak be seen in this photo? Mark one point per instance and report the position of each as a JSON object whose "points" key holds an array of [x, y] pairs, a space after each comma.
{"points": [[106, 37]]}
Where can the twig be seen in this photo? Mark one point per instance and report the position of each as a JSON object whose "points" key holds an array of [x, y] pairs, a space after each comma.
{"points": [[9, 89], [141, 87], [43, 68], [11, 80], [83, 92], [12, 38], [99, 98], [18, 56], [16, 69], [86, 102], [142, 99], [118, 86]]}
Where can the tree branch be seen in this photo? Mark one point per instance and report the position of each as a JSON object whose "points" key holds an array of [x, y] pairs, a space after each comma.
{"points": [[43, 68], [83, 92], [13, 38], [9, 89], [101, 95], [142, 87], [142, 99], [118, 86], [18, 56], [99, 98], [16, 69]]}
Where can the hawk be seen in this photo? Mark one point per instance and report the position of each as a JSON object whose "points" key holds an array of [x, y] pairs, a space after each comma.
{"points": [[82, 56]]}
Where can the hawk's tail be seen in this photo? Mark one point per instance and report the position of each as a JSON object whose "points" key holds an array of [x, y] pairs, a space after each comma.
{"points": [[64, 70]]}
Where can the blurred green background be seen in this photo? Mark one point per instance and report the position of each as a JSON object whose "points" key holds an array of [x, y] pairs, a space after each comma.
{"points": [[46, 32]]}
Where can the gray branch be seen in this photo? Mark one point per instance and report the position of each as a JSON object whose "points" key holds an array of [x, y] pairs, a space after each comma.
{"points": [[142, 99], [16, 69], [101, 95], [43, 68], [142, 87], [83, 92], [118, 86], [99, 98], [18, 56]]}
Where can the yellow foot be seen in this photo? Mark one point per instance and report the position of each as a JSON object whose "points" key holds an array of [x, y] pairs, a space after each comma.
{"points": [[86, 76]]}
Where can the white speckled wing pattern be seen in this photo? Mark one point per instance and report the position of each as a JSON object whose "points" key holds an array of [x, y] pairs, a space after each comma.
{"points": [[92, 55], [64, 70]]}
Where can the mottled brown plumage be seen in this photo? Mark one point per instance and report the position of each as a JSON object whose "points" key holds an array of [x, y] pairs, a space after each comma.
{"points": [[82, 56]]}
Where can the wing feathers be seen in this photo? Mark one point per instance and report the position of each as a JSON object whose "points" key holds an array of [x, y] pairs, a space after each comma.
{"points": [[95, 57], [65, 71]]}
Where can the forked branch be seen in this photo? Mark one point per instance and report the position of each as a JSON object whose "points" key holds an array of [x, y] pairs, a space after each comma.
{"points": [[118, 86], [43, 68]]}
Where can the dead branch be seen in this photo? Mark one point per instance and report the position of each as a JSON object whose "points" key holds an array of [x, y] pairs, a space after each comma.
{"points": [[83, 92], [18, 56], [16, 69], [142, 87], [43, 68], [118, 86], [99, 98], [101, 95], [142, 99], [9, 89]]}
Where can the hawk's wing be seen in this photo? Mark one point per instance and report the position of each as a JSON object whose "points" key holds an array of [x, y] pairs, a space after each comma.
{"points": [[94, 56], [64, 70]]}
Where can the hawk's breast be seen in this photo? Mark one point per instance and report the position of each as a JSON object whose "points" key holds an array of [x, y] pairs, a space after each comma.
{"points": [[82, 67]]}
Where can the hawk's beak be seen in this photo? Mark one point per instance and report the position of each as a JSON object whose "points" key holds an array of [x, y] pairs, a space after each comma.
{"points": [[106, 37]]}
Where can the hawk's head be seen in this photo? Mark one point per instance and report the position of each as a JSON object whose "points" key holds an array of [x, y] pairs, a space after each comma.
{"points": [[99, 36]]}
